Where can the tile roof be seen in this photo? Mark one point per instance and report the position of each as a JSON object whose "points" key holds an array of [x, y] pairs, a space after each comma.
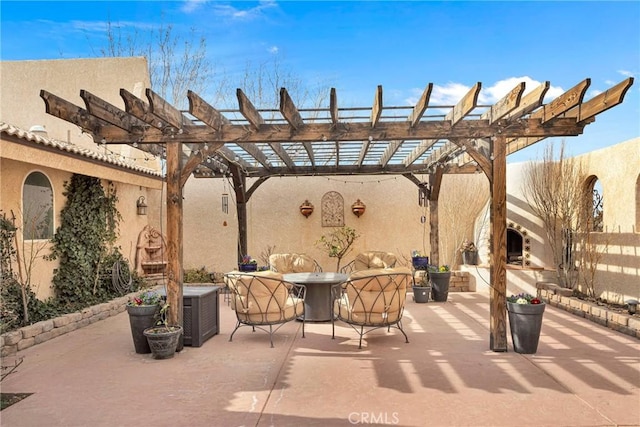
{"points": [[75, 150]]}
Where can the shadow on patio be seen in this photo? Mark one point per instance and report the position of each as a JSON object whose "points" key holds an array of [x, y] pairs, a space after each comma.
{"points": [[583, 374]]}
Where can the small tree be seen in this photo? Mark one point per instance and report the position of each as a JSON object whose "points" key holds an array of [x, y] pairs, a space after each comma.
{"points": [[338, 243], [553, 190]]}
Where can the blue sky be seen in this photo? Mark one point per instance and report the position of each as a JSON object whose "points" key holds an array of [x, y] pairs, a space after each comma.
{"points": [[355, 46]]}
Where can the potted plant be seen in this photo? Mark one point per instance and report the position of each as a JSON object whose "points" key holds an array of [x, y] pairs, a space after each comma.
{"points": [[422, 290], [439, 277], [143, 310], [469, 253], [163, 338], [248, 264], [525, 322], [419, 260]]}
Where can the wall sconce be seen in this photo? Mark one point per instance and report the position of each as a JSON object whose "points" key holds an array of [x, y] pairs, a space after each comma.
{"points": [[306, 208], [358, 208], [141, 206], [632, 306]]}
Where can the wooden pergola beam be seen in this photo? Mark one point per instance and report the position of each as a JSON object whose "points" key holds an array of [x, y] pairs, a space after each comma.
{"points": [[249, 112], [333, 106], [421, 106], [376, 110]]}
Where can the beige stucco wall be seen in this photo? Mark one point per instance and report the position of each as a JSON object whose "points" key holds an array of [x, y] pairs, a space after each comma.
{"points": [[618, 170], [393, 220], [128, 188], [21, 106]]}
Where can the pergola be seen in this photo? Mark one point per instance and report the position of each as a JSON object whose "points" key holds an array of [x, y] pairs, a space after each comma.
{"points": [[291, 141]]}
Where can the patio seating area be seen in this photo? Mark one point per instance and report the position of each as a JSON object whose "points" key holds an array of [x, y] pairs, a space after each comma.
{"points": [[583, 375]]}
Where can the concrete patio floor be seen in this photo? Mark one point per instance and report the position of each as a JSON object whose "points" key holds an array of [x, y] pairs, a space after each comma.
{"points": [[583, 375]]}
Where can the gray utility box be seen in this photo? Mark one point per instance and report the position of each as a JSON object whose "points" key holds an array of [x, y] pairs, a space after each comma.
{"points": [[201, 317], [201, 314]]}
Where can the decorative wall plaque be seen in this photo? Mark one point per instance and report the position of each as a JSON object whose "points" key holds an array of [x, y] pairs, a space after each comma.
{"points": [[332, 209]]}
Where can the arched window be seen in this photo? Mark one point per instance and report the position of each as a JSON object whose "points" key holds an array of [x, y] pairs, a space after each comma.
{"points": [[596, 216], [37, 207]]}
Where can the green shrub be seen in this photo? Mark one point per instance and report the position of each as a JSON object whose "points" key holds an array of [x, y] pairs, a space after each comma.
{"points": [[199, 275]]}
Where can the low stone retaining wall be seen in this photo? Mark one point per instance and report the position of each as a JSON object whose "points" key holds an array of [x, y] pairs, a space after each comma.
{"points": [[556, 296], [28, 336]]}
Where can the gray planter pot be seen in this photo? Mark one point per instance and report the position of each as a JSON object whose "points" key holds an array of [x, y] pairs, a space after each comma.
{"points": [[440, 285], [525, 322], [470, 257], [421, 293], [141, 317], [163, 341]]}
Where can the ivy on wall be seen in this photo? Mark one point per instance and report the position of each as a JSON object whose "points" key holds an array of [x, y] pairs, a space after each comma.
{"points": [[85, 242]]}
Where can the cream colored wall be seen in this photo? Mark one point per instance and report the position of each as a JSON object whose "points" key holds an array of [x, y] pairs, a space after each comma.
{"points": [[22, 106], [391, 221], [128, 188], [618, 169]]}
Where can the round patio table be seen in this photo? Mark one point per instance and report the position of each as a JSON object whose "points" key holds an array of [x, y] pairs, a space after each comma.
{"points": [[317, 302]]}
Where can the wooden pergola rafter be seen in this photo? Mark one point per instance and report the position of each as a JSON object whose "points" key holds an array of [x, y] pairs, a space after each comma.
{"points": [[243, 143]]}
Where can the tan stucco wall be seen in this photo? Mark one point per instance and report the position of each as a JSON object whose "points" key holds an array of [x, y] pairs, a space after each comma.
{"points": [[391, 221], [128, 188], [618, 170], [22, 106]]}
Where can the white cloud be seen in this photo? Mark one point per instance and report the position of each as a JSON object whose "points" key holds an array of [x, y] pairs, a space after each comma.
{"points": [[246, 14], [452, 93], [273, 49], [627, 73], [192, 5], [492, 94]]}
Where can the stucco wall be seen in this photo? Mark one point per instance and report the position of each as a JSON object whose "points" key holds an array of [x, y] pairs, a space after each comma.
{"points": [[618, 170], [22, 106], [128, 188], [391, 222]]}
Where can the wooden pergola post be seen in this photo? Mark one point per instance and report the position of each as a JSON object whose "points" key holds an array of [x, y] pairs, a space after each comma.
{"points": [[498, 245], [435, 181], [174, 233]]}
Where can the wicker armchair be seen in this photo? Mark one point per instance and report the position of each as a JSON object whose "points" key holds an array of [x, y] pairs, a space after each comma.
{"points": [[293, 263], [372, 299], [264, 299], [369, 260]]}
